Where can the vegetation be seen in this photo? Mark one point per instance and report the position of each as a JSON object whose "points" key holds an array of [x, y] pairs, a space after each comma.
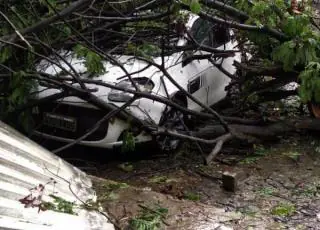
{"points": [[191, 196], [283, 210], [149, 218], [60, 205]]}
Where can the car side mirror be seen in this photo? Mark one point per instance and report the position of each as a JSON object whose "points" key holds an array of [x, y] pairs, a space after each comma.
{"points": [[186, 58]]}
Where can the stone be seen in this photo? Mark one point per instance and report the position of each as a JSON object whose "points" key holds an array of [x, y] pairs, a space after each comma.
{"points": [[230, 180]]}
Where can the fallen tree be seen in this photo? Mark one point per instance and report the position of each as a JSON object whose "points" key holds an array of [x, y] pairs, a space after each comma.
{"points": [[284, 48]]}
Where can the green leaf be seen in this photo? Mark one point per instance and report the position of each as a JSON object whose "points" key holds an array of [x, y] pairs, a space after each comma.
{"points": [[5, 54], [310, 83], [93, 61], [129, 143], [195, 6]]}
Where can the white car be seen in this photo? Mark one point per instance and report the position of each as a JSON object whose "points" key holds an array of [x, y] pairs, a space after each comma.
{"points": [[70, 118]]}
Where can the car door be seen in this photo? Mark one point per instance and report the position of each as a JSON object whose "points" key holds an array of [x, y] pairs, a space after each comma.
{"points": [[198, 70], [219, 37], [197, 86], [217, 80]]}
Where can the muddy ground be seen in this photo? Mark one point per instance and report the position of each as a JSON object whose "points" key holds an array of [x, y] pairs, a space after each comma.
{"points": [[280, 188]]}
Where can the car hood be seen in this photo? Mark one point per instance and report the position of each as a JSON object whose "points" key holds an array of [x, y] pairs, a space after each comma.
{"points": [[113, 74]]}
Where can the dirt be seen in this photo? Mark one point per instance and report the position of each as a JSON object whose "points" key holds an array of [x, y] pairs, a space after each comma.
{"points": [[280, 190], [182, 214]]}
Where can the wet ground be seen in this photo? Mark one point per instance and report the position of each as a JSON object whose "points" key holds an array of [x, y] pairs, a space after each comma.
{"points": [[280, 187]]}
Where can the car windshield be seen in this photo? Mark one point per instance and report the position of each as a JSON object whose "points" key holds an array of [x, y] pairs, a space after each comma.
{"points": [[206, 33]]}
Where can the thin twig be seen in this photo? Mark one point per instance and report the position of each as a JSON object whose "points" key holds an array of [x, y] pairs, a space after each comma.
{"points": [[97, 125], [15, 29]]}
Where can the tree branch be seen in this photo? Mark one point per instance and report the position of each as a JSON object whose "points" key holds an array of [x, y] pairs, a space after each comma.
{"points": [[97, 125], [227, 9], [45, 22], [217, 148]]}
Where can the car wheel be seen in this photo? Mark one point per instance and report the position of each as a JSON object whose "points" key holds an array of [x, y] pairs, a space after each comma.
{"points": [[172, 119], [314, 109]]}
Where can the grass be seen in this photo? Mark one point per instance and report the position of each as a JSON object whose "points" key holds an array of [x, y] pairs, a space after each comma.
{"points": [[247, 211], [116, 186], [191, 196], [108, 191], [267, 191], [161, 179], [126, 167], [249, 160], [316, 145], [283, 210], [149, 218], [309, 190], [294, 155], [259, 151]]}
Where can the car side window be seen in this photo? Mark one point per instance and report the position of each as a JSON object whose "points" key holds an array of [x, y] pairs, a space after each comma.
{"points": [[194, 85], [209, 34], [201, 32]]}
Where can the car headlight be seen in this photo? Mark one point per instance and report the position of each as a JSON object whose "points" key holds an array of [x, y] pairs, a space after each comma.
{"points": [[144, 84]]}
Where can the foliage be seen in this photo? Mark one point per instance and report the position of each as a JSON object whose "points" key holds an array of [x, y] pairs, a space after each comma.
{"points": [[150, 218], [19, 88], [310, 83], [195, 6], [191, 196], [259, 151], [127, 167], [316, 145], [294, 155], [161, 179], [145, 50], [308, 190], [116, 186], [296, 53], [88, 36], [248, 211], [108, 191], [283, 210], [249, 160], [129, 143], [60, 205], [267, 191], [300, 51], [93, 62]]}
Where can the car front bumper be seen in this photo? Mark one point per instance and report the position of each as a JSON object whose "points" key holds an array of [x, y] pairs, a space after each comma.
{"points": [[108, 135]]}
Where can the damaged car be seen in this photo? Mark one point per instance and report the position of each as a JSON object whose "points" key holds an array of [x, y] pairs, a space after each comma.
{"points": [[68, 119]]}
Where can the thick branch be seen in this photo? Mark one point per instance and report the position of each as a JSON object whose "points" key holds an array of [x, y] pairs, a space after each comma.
{"points": [[264, 29], [267, 131], [227, 9], [217, 148], [45, 22]]}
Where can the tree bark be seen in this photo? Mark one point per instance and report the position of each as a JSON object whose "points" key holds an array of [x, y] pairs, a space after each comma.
{"points": [[270, 130]]}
